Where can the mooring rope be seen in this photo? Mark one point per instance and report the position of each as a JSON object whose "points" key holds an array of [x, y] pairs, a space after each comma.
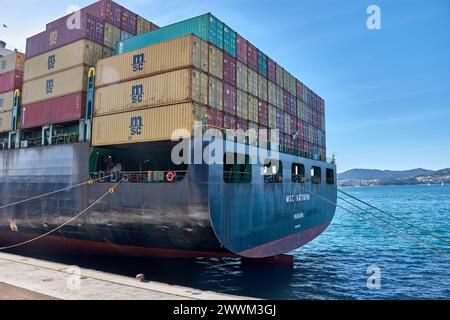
{"points": [[53, 192], [398, 218], [110, 191], [445, 256]]}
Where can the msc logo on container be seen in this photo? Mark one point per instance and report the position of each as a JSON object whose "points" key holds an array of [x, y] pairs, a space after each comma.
{"points": [[138, 62], [49, 86], [137, 93], [135, 126], [51, 62]]}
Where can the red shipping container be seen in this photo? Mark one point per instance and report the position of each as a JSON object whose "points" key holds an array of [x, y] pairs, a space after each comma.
{"points": [[280, 120], [59, 110], [11, 81], [91, 28], [252, 56], [271, 70], [229, 69], [299, 86], [287, 101], [241, 49], [105, 10], [229, 99], [215, 118], [263, 114], [301, 129], [229, 121]]}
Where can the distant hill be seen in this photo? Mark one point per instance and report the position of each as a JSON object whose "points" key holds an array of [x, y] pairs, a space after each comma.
{"points": [[359, 177]]}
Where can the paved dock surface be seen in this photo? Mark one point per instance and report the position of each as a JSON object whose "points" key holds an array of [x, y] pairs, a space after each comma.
{"points": [[29, 278]]}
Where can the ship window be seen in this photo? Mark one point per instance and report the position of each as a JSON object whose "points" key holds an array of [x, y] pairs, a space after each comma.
{"points": [[330, 176], [273, 171], [298, 173], [316, 175], [237, 168]]}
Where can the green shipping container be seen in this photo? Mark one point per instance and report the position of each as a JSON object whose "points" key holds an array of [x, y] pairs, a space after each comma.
{"points": [[206, 27], [262, 64], [229, 41]]}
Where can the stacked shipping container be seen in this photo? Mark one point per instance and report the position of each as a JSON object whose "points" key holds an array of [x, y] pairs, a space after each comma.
{"points": [[58, 60], [248, 88], [11, 76]]}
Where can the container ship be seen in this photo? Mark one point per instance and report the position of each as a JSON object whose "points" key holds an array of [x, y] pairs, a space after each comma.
{"points": [[102, 99]]}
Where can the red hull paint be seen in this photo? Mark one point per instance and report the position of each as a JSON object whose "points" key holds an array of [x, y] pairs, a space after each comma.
{"points": [[71, 246], [286, 244], [55, 244]]}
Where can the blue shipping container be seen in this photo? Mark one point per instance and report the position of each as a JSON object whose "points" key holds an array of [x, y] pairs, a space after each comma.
{"points": [[229, 41], [206, 27], [262, 64]]}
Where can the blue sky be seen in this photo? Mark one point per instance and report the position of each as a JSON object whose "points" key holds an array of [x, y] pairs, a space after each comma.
{"points": [[387, 91]]}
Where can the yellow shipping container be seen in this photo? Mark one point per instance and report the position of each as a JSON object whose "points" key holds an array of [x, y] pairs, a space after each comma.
{"points": [[143, 25], [242, 76], [215, 93], [55, 85], [161, 57], [253, 82], [111, 35], [161, 89], [262, 88], [154, 124], [11, 62], [280, 76], [242, 105], [81, 52], [272, 93], [253, 109], [5, 121], [6, 101], [280, 98], [216, 62]]}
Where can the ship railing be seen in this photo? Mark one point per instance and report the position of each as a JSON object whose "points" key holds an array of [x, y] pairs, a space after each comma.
{"points": [[265, 144], [170, 176]]}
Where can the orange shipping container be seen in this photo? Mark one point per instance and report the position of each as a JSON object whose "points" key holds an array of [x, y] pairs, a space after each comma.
{"points": [[55, 85], [161, 89], [161, 57], [6, 101], [78, 53], [11, 62], [154, 124]]}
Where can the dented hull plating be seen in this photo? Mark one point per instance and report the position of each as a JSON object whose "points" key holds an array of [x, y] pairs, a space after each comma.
{"points": [[197, 216]]}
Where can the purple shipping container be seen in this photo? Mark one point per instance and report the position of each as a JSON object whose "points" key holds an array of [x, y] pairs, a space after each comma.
{"points": [[229, 69], [287, 101], [280, 120], [229, 99], [241, 49], [91, 28], [215, 118], [263, 114], [105, 10], [293, 106], [129, 21], [252, 56], [271, 70], [229, 121]]}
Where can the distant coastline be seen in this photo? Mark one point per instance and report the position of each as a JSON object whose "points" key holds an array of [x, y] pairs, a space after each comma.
{"points": [[370, 177]]}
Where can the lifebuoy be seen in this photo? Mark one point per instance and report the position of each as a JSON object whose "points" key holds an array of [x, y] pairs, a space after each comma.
{"points": [[170, 176]]}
